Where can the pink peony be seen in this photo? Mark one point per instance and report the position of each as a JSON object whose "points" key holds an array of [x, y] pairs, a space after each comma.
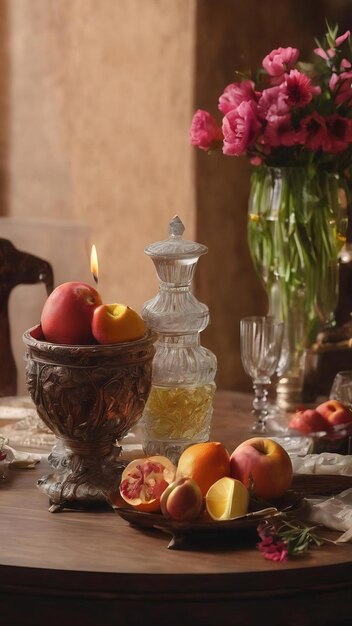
{"points": [[280, 60], [234, 94], [274, 107], [241, 128], [299, 89], [273, 102], [204, 131]]}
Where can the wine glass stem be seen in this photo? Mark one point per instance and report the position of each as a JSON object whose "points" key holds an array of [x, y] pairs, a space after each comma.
{"points": [[260, 405]]}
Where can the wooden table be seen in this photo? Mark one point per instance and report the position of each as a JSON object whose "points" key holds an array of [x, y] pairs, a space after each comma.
{"points": [[89, 568]]}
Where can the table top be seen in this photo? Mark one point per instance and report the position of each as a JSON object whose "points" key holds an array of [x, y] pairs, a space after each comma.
{"points": [[95, 563]]}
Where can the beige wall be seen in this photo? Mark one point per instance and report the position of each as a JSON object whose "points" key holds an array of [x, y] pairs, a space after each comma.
{"points": [[96, 102], [101, 99]]}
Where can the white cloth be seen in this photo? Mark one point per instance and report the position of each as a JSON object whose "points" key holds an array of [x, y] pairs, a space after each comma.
{"points": [[333, 512], [324, 463]]}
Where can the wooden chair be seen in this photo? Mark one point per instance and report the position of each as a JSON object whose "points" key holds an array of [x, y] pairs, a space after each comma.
{"points": [[35, 255], [16, 268]]}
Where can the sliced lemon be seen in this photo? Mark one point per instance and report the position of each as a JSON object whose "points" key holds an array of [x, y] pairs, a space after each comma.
{"points": [[226, 499]]}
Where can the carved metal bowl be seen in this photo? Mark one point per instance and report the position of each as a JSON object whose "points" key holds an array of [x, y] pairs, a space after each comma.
{"points": [[90, 397]]}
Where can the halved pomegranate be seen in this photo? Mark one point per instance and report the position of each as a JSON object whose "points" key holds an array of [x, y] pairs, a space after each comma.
{"points": [[144, 480]]}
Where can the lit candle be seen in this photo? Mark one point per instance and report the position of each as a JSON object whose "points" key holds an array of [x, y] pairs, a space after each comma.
{"points": [[94, 268]]}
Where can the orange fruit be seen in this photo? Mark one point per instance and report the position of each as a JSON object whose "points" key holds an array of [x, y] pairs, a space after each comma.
{"points": [[205, 463], [226, 499], [144, 480], [115, 323]]}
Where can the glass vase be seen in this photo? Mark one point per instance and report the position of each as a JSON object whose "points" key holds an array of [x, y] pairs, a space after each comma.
{"points": [[297, 226]]}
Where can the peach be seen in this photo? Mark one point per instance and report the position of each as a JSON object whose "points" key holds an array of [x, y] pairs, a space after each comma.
{"points": [[182, 500], [308, 421], [114, 323], [263, 466], [67, 314], [335, 412]]}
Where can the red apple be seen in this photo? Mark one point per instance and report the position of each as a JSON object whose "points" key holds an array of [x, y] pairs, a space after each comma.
{"points": [[114, 323], [182, 500], [335, 412], [308, 421], [263, 465], [67, 314]]}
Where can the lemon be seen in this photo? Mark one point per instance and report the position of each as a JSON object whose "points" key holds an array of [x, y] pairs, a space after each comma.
{"points": [[226, 499]]}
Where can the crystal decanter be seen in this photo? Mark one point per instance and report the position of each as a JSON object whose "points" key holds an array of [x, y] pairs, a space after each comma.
{"points": [[179, 408]]}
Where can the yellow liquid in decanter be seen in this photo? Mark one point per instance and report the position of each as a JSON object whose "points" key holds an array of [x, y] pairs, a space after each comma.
{"points": [[179, 412]]}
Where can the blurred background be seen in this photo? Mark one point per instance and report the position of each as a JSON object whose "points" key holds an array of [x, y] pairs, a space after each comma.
{"points": [[96, 104]]}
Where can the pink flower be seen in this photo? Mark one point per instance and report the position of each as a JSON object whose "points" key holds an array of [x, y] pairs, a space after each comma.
{"points": [[275, 108], [273, 550], [276, 128], [342, 38], [273, 102], [329, 54], [339, 130], [330, 134], [241, 128], [316, 132], [271, 546], [341, 85], [234, 94], [280, 60], [256, 160], [291, 137], [299, 89], [280, 132], [334, 79], [204, 131]]}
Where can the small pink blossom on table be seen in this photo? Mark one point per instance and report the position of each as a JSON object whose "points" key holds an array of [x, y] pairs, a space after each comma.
{"points": [[284, 537]]}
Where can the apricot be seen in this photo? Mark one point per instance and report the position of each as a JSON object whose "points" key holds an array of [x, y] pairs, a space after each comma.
{"points": [[182, 500], [115, 323]]}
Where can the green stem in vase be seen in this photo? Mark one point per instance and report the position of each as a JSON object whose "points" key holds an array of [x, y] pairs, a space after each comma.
{"points": [[295, 231]]}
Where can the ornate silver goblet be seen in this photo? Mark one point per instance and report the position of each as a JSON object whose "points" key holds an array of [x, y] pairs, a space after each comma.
{"points": [[90, 397]]}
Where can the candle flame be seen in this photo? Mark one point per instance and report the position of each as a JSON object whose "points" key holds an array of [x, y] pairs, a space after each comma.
{"points": [[94, 268]]}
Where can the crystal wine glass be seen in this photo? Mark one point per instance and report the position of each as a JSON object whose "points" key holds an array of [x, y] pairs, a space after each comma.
{"points": [[342, 388], [261, 344]]}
